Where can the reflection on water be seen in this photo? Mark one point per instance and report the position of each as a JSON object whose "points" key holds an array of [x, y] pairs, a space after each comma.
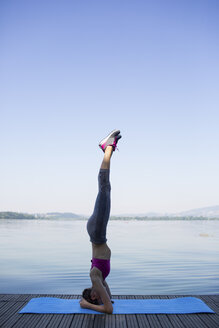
{"points": [[161, 257]]}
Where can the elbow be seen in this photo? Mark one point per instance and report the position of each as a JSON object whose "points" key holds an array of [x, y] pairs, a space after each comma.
{"points": [[109, 310]]}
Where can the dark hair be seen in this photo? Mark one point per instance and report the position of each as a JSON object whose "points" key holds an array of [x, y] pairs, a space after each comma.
{"points": [[87, 296]]}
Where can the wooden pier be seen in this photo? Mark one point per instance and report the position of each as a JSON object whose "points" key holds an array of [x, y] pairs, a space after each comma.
{"points": [[11, 304]]}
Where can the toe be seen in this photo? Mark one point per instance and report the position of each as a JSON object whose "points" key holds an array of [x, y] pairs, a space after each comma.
{"points": [[117, 132]]}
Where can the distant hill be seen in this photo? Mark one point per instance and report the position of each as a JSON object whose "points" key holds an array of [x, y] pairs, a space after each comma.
{"points": [[207, 212], [43, 216], [59, 215], [15, 215]]}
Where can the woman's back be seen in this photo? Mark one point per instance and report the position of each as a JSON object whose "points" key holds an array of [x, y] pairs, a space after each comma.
{"points": [[101, 251]]}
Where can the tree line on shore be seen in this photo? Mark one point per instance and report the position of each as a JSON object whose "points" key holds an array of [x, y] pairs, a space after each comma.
{"points": [[62, 216]]}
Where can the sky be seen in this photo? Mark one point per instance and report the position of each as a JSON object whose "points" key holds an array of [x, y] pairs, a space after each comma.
{"points": [[72, 71]]}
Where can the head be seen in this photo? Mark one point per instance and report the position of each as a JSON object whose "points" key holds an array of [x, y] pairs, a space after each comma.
{"points": [[91, 296]]}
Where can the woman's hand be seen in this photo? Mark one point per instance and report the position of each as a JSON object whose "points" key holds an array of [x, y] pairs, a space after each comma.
{"points": [[84, 304], [100, 308]]}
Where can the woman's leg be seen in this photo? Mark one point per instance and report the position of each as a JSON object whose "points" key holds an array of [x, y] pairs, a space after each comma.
{"points": [[97, 223]]}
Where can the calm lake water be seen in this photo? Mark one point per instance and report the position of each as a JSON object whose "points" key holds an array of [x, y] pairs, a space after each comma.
{"points": [[160, 257]]}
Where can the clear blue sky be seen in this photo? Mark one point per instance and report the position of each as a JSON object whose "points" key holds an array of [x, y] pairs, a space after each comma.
{"points": [[72, 71]]}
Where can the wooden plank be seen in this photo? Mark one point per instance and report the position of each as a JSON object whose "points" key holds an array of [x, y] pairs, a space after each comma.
{"points": [[208, 321], [207, 299], [2, 304], [110, 321], [99, 320], [25, 319], [142, 319], [11, 304], [7, 308], [2, 297], [11, 316], [113, 320], [210, 298], [190, 320], [194, 321], [164, 318], [213, 306], [4, 307], [120, 319], [150, 319], [57, 319], [211, 302], [25, 297], [31, 320], [77, 321], [68, 318], [16, 297], [213, 319], [213, 316], [180, 317], [214, 298], [88, 320], [5, 297], [173, 318], [131, 319], [28, 320], [153, 321], [45, 318]]}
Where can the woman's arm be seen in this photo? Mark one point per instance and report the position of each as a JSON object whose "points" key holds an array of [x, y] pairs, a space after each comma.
{"points": [[103, 294], [105, 308], [107, 288]]}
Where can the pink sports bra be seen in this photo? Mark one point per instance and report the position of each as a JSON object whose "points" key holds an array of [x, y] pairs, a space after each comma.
{"points": [[102, 265]]}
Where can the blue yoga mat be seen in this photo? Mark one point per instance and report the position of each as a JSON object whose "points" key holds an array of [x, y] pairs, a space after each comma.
{"points": [[121, 306]]}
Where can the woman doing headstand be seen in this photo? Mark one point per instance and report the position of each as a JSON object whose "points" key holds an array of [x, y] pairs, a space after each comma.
{"points": [[98, 296]]}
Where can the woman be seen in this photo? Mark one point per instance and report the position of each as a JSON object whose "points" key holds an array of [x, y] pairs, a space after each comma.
{"points": [[98, 296]]}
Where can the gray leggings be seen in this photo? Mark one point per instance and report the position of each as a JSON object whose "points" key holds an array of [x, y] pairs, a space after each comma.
{"points": [[97, 223]]}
